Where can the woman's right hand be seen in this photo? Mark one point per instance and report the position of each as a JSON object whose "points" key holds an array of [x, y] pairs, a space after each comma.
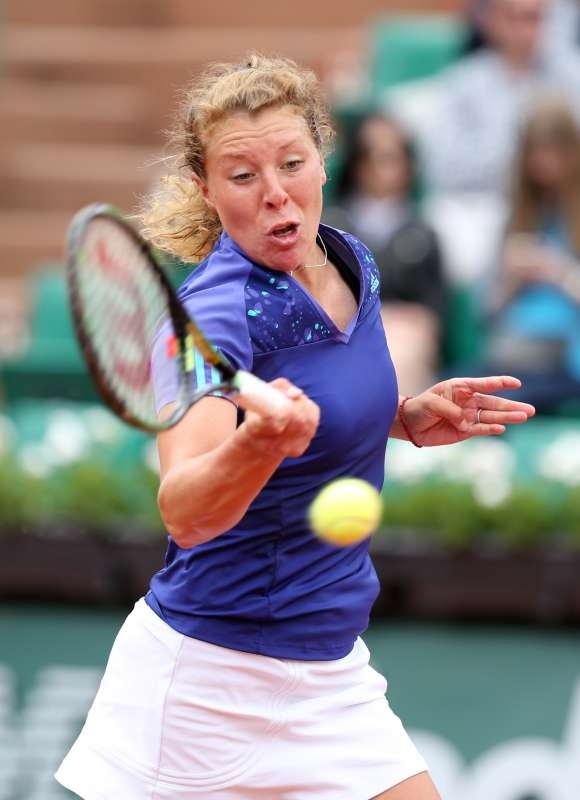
{"points": [[289, 431]]}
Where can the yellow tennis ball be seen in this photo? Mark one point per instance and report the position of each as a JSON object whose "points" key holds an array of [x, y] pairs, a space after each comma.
{"points": [[345, 511]]}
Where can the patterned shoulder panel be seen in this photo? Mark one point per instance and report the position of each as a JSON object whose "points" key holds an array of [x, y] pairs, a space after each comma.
{"points": [[279, 314], [370, 272]]}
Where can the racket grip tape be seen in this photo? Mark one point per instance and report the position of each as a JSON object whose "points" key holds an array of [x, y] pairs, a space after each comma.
{"points": [[257, 395]]}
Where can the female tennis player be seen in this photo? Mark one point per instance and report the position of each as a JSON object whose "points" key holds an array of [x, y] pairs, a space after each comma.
{"points": [[242, 675]]}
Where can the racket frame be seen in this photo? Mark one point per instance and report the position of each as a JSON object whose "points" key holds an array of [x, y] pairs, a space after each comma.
{"points": [[188, 335]]}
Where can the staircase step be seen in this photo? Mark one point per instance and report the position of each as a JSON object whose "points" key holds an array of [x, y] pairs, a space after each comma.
{"points": [[88, 12], [30, 238], [62, 176], [155, 57], [189, 12], [32, 111]]}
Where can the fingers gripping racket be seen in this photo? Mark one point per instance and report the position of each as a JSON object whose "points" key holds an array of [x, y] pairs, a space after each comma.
{"points": [[123, 307]]}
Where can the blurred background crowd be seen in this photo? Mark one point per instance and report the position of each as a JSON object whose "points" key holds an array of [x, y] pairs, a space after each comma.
{"points": [[466, 183], [457, 162]]}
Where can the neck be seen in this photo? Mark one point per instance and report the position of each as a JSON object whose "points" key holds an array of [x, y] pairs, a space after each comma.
{"points": [[318, 258], [311, 279]]}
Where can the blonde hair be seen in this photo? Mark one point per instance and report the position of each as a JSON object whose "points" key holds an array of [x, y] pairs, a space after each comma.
{"points": [[175, 216], [550, 121]]}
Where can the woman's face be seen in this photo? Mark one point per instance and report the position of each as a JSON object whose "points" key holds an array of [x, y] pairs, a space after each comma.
{"points": [[264, 179], [383, 170]]}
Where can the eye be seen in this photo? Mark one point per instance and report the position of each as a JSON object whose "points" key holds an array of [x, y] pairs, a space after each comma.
{"points": [[293, 164], [242, 177]]}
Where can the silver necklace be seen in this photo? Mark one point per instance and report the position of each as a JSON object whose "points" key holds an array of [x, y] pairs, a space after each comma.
{"points": [[314, 266]]}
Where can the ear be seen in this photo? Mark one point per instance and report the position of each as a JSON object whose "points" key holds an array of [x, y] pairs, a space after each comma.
{"points": [[322, 170], [202, 186]]}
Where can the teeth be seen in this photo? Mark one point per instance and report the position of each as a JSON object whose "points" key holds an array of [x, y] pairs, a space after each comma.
{"points": [[281, 231]]}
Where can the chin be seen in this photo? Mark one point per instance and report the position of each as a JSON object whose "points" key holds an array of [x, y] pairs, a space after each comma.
{"points": [[283, 262], [284, 259]]}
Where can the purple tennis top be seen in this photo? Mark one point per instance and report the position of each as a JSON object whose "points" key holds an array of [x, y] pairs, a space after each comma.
{"points": [[269, 586]]}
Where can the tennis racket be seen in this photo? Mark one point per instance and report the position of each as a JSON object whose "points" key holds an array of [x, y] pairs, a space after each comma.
{"points": [[124, 309]]}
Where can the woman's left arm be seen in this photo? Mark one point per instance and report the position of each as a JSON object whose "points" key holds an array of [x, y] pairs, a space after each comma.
{"points": [[458, 409]]}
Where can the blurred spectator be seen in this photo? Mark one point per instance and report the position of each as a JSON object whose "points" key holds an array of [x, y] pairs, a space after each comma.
{"points": [[466, 125], [374, 201], [485, 95], [535, 328], [561, 29]]}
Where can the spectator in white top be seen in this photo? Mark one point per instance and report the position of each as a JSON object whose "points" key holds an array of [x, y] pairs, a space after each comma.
{"points": [[468, 138], [484, 97]]}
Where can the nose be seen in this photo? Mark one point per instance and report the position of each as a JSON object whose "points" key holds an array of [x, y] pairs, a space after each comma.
{"points": [[273, 192]]}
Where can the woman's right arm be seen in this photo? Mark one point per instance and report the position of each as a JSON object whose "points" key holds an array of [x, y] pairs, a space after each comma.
{"points": [[211, 470]]}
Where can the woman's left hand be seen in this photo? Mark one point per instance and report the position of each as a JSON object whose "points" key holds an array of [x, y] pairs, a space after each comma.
{"points": [[459, 408]]}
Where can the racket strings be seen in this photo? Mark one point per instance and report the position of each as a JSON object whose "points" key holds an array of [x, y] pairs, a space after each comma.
{"points": [[125, 314]]}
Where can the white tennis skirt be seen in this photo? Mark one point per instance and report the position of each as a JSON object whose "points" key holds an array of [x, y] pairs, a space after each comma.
{"points": [[176, 718]]}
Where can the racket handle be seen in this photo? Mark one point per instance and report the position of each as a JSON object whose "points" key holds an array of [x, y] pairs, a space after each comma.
{"points": [[257, 395]]}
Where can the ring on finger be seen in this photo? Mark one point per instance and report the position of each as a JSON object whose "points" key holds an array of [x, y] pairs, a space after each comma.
{"points": [[478, 415]]}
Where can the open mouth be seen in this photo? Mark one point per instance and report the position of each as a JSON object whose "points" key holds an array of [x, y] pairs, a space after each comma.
{"points": [[284, 230]]}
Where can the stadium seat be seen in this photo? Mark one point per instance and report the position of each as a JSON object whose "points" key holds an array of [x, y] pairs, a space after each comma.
{"points": [[51, 364], [463, 334], [409, 48]]}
